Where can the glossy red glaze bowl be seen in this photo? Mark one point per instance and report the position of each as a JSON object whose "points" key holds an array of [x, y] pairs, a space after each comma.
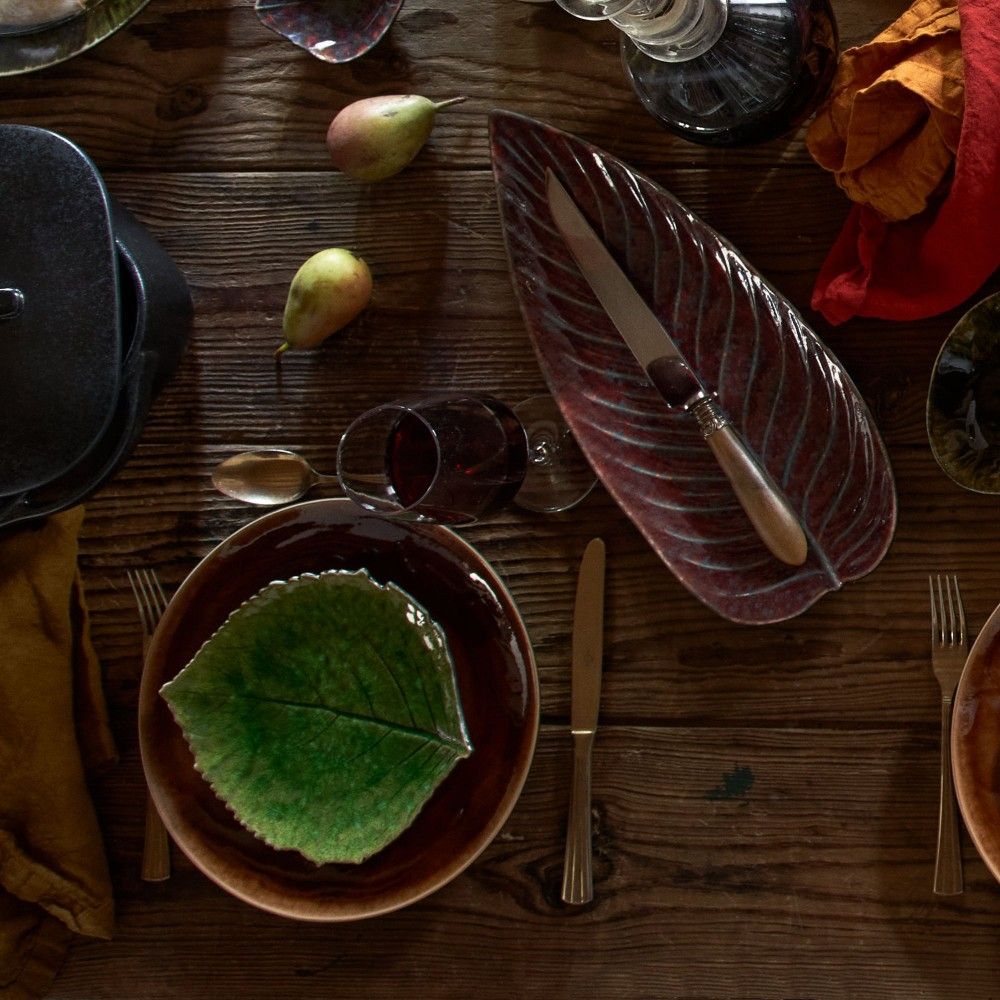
{"points": [[496, 676]]}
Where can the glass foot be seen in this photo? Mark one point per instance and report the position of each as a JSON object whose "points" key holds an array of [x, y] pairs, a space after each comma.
{"points": [[558, 475]]}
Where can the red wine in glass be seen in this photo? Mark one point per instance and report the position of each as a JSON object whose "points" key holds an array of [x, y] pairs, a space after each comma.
{"points": [[457, 457]]}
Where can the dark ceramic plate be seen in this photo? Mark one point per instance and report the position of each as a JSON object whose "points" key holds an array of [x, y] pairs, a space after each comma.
{"points": [[963, 403], [975, 743], [793, 403], [21, 53], [496, 677], [335, 31]]}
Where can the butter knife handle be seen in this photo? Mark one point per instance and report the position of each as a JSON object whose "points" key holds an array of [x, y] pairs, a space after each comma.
{"points": [[769, 512], [578, 883]]}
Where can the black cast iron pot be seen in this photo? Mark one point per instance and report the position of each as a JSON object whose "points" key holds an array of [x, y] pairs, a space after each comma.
{"points": [[94, 319]]}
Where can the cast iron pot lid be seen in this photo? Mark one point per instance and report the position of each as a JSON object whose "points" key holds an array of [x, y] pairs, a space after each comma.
{"points": [[60, 336]]}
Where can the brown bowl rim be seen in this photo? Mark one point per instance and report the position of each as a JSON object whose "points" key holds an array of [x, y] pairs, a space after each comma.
{"points": [[966, 789]]}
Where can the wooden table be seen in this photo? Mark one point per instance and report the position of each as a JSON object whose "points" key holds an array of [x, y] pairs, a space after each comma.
{"points": [[765, 798]]}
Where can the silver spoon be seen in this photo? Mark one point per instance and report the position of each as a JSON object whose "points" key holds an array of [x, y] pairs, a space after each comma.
{"points": [[267, 478]]}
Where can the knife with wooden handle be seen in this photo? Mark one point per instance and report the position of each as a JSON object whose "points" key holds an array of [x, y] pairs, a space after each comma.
{"points": [[588, 652], [768, 510]]}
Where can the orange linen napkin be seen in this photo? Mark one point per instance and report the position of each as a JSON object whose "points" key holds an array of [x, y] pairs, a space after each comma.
{"points": [[911, 268], [890, 129], [53, 725]]}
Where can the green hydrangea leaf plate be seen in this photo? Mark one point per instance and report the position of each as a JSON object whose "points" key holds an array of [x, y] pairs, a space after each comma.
{"points": [[324, 713]]}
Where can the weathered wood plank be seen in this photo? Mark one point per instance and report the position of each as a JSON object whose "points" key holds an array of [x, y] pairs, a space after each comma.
{"points": [[728, 863], [443, 298], [858, 657], [445, 316], [201, 84], [765, 798]]}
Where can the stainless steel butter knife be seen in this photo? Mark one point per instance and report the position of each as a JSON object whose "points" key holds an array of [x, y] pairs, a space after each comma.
{"points": [[768, 510], [588, 653]]}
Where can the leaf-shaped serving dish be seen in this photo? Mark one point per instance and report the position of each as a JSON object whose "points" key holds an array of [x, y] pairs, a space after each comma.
{"points": [[324, 712], [495, 675], [784, 391], [335, 31]]}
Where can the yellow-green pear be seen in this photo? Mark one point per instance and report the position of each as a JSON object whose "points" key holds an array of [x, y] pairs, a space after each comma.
{"points": [[376, 137], [327, 292]]}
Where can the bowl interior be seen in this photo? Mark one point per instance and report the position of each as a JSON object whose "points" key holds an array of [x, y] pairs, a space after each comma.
{"points": [[496, 677], [975, 743]]}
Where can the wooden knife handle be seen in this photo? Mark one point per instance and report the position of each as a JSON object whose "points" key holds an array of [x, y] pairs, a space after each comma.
{"points": [[773, 519]]}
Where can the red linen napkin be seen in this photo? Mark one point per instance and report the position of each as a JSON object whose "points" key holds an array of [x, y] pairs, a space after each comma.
{"points": [[927, 264]]}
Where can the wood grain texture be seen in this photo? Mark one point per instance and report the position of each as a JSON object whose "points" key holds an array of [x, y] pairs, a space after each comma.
{"points": [[765, 799], [443, 296], [202, 84], [754, 863]]}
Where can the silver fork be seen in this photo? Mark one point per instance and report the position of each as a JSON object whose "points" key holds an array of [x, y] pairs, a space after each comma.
{"points": [[152, 602], [949, 649]]}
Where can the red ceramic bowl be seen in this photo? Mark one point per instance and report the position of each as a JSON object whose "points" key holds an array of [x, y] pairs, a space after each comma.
{"points": [[496, 676], [975, 743]]}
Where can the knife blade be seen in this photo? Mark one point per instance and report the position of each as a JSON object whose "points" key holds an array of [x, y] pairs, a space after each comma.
{"points": [[767, 508], [588, 653]]}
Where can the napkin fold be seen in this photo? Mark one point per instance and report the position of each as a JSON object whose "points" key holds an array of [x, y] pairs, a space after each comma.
{"points": [[912, 134], [53, 731]]}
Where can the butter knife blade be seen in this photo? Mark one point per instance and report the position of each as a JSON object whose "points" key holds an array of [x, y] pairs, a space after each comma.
{"points": [[588, 639]]}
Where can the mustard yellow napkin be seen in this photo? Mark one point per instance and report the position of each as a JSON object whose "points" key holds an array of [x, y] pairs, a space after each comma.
{"points": [[890, 129], [53, 726]]}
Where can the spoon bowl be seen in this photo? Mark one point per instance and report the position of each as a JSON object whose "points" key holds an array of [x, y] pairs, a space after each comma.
{"points": [[267, 478]]}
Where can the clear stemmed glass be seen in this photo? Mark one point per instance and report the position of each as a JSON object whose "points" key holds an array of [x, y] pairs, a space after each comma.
{"points": [[456, 457]]}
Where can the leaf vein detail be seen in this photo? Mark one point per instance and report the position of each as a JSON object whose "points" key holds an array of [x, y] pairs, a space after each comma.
{"points": [[397, 727]]}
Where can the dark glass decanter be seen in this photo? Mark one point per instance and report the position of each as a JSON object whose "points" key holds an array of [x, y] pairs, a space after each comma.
{"points": [[724, 72]]}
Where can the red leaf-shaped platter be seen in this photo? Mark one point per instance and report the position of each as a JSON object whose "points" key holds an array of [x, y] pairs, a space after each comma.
{"points": [[794, 404]]}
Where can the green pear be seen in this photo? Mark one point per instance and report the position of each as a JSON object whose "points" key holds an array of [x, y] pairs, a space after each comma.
{"points": [[376, 137], [327, 292]]}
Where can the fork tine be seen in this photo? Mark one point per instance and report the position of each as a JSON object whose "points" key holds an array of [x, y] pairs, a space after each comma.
{"points": [[942, 622], [934, 617], [140, 603], [147, 599], [154, 594], [961, 611], [159, 591], [952, 632]]}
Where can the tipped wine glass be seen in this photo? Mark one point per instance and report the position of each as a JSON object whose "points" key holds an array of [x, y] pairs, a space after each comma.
{"points": [[457, 457], [450, 457]]}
